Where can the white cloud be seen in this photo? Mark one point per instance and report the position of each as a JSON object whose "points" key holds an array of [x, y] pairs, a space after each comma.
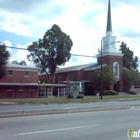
{"points": [[21, 54], [17, 23], [9, 44], [126, 24], [83, 20]]}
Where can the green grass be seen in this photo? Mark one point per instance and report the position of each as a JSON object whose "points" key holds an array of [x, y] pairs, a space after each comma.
{"points": [[61, 100]]}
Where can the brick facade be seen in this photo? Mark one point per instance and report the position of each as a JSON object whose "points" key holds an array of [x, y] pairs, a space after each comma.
{"points": [[77, 75], [21, 81], [109, 60]]}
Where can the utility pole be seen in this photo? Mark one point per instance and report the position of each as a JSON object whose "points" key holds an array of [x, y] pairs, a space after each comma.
{"points": [[21, 91], [101, 73]]}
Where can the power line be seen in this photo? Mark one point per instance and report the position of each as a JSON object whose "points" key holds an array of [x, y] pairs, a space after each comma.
{"points": [[16, 48], [82, 55], [71, 53]]}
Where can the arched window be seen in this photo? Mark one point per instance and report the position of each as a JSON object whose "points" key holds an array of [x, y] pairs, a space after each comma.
{"points": [[116, 69]]}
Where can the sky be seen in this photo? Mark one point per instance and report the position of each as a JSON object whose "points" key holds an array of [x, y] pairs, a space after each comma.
{"points": [[25, 21]]}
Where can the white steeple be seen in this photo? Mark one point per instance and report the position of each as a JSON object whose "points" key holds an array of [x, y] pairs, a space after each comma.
{"points": [[109, 45]]}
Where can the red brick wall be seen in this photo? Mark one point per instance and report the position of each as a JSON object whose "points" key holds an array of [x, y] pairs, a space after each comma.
{"points": [[15, 93], [109, 60], [18, 77]]}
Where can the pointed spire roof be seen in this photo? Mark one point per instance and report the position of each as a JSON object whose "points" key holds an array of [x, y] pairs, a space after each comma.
{"points": [[109, 24]]}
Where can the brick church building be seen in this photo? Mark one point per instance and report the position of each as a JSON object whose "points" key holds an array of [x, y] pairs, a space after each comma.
{"points": [[108, 56]]}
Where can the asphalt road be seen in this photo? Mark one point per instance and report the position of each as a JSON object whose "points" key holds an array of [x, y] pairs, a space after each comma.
{"points": [[103, 125], [17, 108]]}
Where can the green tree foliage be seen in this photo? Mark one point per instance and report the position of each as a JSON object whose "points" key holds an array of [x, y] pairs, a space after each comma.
{"points": [[129, 61], [108, 77], [14, 62], [51, 51], [4, 56], [131, 76], [23, 62]]}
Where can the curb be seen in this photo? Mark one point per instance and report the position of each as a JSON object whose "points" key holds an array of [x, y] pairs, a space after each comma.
{"points": [[59, 111]]}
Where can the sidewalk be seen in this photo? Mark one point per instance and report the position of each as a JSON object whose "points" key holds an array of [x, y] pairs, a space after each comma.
{"points": [[60, 111]]}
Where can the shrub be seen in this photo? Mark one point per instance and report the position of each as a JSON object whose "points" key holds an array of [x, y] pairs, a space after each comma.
{"points": [[80, 96], [107, 92], [110, 92], [132, 92]]}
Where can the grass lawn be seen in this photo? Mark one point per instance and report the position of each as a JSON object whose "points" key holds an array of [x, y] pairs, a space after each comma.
{"points": [[60, 100]]}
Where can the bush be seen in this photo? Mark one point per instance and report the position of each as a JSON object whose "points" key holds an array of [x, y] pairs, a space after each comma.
{"points": [[110, 92], [80, 96], [70, 96], [132, 92], [107, 92]]}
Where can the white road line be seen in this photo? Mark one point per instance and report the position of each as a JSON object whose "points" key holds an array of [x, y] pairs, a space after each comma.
{"points": [[56, 130]]}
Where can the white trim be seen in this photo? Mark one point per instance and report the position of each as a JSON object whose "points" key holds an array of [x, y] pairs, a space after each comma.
{"points": [[19, 84], [22, 69], [110, 53], [9, 90], [31, 90], [32, 84], [52, 85]]}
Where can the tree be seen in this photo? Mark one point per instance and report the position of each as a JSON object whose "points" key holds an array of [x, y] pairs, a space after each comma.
{"points": [[4, 56], [23, 62], [15, 62], [108, 77], [131, 76], [51, 51], [129, 61]]}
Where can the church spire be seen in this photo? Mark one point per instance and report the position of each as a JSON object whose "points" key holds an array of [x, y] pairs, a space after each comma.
{"points": [[109, 24]]}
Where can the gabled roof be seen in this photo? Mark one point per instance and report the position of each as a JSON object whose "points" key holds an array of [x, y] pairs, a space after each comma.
{"points": [[75, 68], [32, 84], [95, 67], [85, 67], [20, 67]]}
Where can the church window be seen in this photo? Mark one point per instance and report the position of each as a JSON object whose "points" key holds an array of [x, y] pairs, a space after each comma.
{"points": [[116, 69]]}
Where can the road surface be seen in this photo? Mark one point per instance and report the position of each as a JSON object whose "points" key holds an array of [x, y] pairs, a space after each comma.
{"points": [[102, 125]]}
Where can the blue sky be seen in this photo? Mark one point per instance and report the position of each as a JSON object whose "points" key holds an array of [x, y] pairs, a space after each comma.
{"points": [[22, 22]]}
